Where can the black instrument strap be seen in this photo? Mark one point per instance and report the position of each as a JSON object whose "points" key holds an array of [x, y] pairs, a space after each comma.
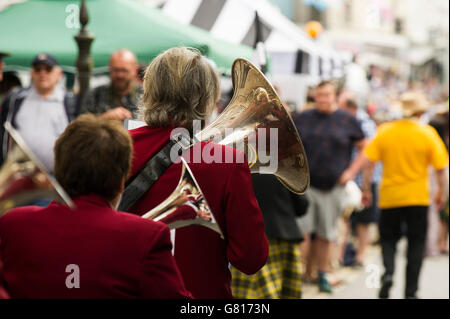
{"points": [[141, 182]]}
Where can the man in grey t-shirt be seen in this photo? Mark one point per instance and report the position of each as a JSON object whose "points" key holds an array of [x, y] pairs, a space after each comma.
{"points": [[41, 112]]}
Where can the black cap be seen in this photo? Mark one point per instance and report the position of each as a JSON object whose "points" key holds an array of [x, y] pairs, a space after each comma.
{"points": [[44, 58]]}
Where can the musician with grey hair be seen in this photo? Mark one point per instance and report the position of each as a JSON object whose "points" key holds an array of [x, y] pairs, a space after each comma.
{"points": [[180, 86]]}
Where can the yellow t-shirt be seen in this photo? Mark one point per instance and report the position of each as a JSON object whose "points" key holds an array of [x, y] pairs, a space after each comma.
{"points": [[406, 148]]}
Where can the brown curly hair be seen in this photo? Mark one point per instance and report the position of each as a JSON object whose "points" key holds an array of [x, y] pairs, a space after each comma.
{"points": [[93, 156]]}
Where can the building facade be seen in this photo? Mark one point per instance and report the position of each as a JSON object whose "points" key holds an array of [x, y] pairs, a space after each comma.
{"points": [[410, 37]]}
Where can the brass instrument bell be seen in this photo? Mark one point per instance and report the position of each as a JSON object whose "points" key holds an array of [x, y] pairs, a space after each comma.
{"points": [[171, 211], [23, 178], [254, 112]]}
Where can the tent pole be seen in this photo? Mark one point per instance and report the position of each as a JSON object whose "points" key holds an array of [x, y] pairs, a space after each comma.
{"points": [[259, 45], [84, 62]]}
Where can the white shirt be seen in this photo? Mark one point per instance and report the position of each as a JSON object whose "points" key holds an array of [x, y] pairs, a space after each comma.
{"points": [[40, 121]]}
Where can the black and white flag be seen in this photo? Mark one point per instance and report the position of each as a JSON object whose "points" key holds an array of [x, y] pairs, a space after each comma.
{"points": [[243, 21]]}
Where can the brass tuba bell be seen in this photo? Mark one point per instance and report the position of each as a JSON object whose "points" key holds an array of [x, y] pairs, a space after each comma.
{"points": [[23, 178], [247, 123], [254, 112], [174, 211]]}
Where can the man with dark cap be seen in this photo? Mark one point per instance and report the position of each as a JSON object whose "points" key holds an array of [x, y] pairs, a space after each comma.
{"points": [[41, 112]]}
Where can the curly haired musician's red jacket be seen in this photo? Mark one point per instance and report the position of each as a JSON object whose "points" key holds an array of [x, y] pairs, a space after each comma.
{"points": [[119, 255], [202, 256]]}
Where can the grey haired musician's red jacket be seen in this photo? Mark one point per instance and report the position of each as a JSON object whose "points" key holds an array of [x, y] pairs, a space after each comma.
{"points": [[118, 255], [201, 255]]}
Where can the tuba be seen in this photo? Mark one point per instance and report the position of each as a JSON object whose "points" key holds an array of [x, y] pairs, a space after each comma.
{"points": [[23, 178], [254, 121], [174, 211]]}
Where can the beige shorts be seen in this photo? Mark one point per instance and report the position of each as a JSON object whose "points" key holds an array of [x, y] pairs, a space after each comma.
{"points": [[324, 210]]}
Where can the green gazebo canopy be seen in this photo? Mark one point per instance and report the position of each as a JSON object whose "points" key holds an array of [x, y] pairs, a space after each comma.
{"points": [[38, 26]]}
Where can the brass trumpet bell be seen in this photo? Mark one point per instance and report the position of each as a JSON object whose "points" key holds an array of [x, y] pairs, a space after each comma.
{"points": [[186, 205], [23, 178], [256, 119]]}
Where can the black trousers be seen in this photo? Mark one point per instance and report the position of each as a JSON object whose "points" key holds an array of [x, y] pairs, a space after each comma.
{"points": [[395, 222]]}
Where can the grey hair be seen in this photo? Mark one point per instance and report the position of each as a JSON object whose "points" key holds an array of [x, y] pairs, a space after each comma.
{"points": [[180, 86]]}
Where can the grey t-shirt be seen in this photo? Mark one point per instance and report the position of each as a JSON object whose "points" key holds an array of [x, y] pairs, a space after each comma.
{"points": [[40, 121]]}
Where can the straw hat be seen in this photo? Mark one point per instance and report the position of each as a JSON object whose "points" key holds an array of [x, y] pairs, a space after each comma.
{"points": [[412, 103]]}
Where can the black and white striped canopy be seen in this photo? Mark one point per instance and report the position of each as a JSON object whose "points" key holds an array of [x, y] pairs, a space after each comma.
{"points": [[290, 50]]}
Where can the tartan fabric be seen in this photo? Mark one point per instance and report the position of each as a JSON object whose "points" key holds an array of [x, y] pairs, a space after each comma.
{"points": [[278, 279]]}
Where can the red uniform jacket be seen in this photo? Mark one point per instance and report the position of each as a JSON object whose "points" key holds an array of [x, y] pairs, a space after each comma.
{"points": [[3, 293], [119, 255], [201, 255]]}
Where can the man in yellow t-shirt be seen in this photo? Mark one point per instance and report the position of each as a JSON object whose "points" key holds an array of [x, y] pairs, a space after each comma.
{"points": [[406, 148]]}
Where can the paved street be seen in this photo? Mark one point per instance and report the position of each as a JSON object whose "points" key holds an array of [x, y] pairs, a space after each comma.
{"points": [[362, 283]]}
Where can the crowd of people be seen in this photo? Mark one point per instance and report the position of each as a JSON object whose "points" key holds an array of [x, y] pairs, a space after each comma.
{"points": [[401, 168], [274, 240]]}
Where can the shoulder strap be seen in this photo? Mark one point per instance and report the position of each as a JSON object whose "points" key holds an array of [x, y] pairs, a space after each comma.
{"points": [[71, 105], [11, 106], [142, 181], [17, 97]]}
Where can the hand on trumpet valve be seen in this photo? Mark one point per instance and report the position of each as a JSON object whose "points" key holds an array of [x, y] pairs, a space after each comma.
{"points": [[198, 202]]}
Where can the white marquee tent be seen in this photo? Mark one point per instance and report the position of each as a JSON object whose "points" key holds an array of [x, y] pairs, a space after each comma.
{"points": [[290, 49]]}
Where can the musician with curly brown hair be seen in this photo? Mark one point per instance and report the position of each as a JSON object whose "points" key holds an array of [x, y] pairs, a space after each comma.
{"points": [[92, 251]]}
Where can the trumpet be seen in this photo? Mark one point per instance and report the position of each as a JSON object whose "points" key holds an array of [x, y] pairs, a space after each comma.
{"points": [[188, 191], [23, 178]]}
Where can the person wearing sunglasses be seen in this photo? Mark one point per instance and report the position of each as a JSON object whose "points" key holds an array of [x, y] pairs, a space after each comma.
{"points": [[41, 112]]}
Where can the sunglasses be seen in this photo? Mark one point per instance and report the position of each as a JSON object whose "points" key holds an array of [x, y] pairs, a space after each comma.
{"points": [[39, 68]]}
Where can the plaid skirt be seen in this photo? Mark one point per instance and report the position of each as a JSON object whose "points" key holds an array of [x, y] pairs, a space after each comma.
{"points": [[280, 278]]}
